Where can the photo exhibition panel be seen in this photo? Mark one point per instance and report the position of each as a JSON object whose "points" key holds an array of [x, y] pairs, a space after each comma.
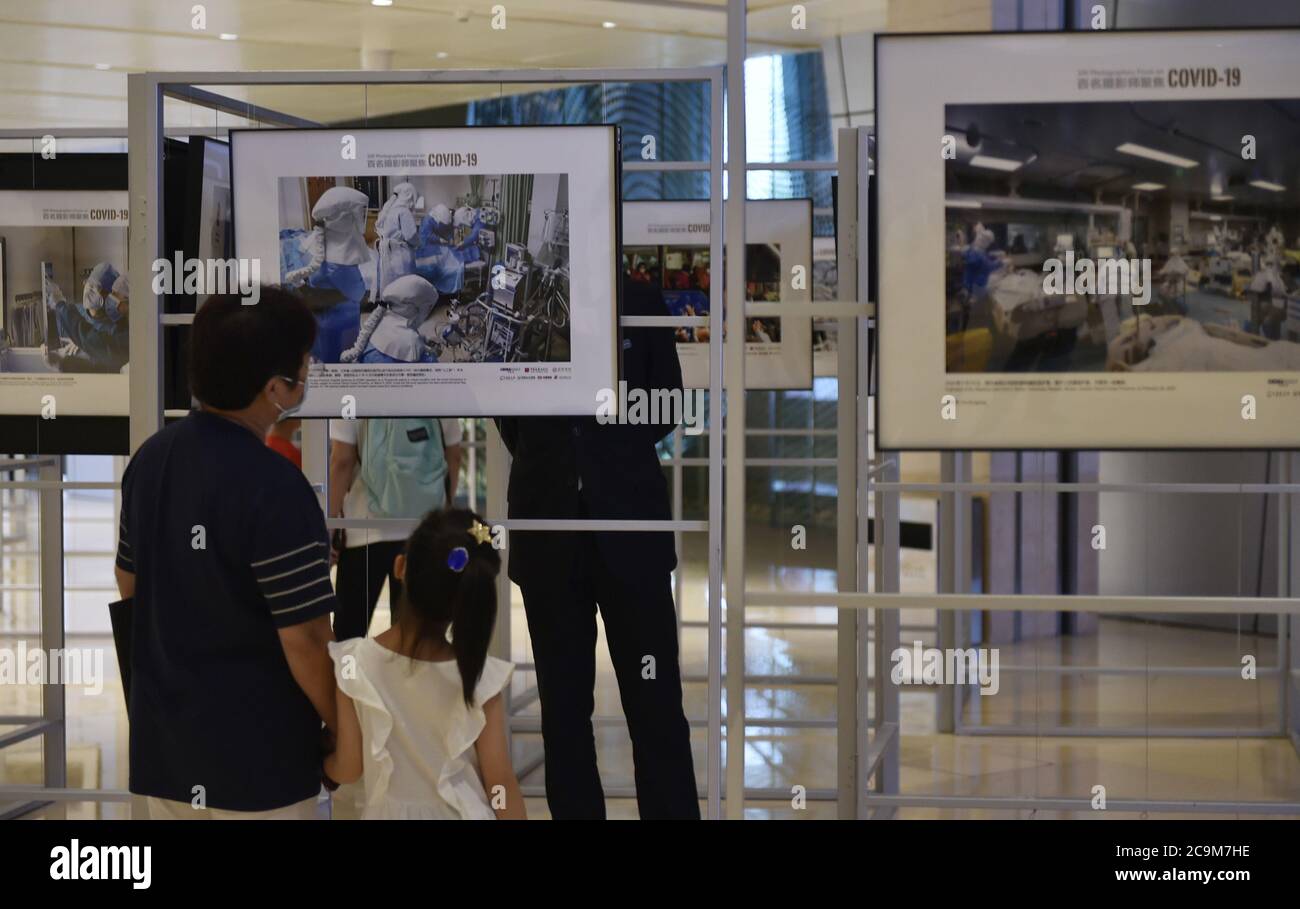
{"points": [[64, 303], [1092, 240], [667, 244], [465, 271]]}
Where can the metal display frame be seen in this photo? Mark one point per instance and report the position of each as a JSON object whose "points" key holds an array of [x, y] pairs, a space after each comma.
{"points": [[867, 624], [49, 485], [146, 94]]}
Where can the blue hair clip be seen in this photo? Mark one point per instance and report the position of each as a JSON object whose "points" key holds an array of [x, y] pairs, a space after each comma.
{"points": [[458, 558]]}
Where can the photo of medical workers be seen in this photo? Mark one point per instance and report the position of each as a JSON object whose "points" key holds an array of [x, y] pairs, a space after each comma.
{"points": [[93, 335], [1122, 237], [66, 300], [431, 269]]}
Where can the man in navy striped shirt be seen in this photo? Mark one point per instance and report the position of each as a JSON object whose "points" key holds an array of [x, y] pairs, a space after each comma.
{"points": [[224, 554]]}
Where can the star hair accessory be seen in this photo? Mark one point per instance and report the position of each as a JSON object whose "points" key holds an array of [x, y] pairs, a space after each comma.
{"points": [[480, 532], [458, 558]]}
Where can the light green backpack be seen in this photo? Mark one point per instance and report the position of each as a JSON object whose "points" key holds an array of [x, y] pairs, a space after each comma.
{"points": [[403, 466]]}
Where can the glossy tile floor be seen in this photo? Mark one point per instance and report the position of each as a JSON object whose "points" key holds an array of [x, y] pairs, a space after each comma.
{"points": [[1039, 762]]}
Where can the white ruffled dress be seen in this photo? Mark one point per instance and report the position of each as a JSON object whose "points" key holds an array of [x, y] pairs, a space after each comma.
{"points": [[417, 733]]}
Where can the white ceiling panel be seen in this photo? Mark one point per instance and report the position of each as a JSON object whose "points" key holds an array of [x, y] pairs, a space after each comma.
{"points": [[49, 51]]}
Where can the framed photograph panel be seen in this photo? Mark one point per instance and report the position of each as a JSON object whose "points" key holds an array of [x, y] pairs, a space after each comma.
{"points": [[63, 314], [1089, 240], [452, 272], [667, 243]]}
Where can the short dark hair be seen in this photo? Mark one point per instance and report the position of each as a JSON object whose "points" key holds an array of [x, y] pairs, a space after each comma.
{"points": [[236, 349]]}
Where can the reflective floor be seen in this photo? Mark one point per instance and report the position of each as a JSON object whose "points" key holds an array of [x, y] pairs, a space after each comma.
{"points": [[1040, 704]]}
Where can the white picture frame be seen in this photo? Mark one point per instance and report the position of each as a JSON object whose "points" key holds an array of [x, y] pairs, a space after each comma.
{"points": [[920, 82], [779, 234], [571, 176]]}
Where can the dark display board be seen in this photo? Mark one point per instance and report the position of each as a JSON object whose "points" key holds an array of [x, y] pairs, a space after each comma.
{"points": [[68, 180]]}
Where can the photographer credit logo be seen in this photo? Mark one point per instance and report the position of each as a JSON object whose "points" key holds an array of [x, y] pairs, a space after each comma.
{"points": [[656, 407]]}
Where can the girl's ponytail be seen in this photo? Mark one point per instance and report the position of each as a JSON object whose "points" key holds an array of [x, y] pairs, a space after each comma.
{"points": [[473, 615], [451, 572]]}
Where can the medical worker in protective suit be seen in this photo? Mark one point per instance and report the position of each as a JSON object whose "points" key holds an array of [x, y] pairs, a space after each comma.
{"points": [[392, 332], [437, 226], [95, 334], [1267, 295], [398, 234], [1173, 282], [337, 245], [1216, 241], [437, 258], [978, 263], [468, 218], [1274, 243]]}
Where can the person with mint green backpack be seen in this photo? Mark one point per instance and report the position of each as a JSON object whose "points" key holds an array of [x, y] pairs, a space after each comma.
{"points": [[383, 468]]}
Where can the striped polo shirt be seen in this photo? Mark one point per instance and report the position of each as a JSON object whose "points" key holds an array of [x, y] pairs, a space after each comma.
{"points": [[227, 543]]}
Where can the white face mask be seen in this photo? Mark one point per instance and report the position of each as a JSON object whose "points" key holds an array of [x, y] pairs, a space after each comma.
{"points": [[287, 413]]}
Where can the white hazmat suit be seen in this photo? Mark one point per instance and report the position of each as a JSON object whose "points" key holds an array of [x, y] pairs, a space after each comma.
{"points": [[338, 236], [393, 328], [398, 233]]}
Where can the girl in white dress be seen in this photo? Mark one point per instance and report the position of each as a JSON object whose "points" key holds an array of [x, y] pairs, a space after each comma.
{"points": [[421, 717]]}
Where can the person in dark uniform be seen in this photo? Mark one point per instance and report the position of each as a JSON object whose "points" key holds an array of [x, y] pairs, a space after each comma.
{"points": [[577, 468]]}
